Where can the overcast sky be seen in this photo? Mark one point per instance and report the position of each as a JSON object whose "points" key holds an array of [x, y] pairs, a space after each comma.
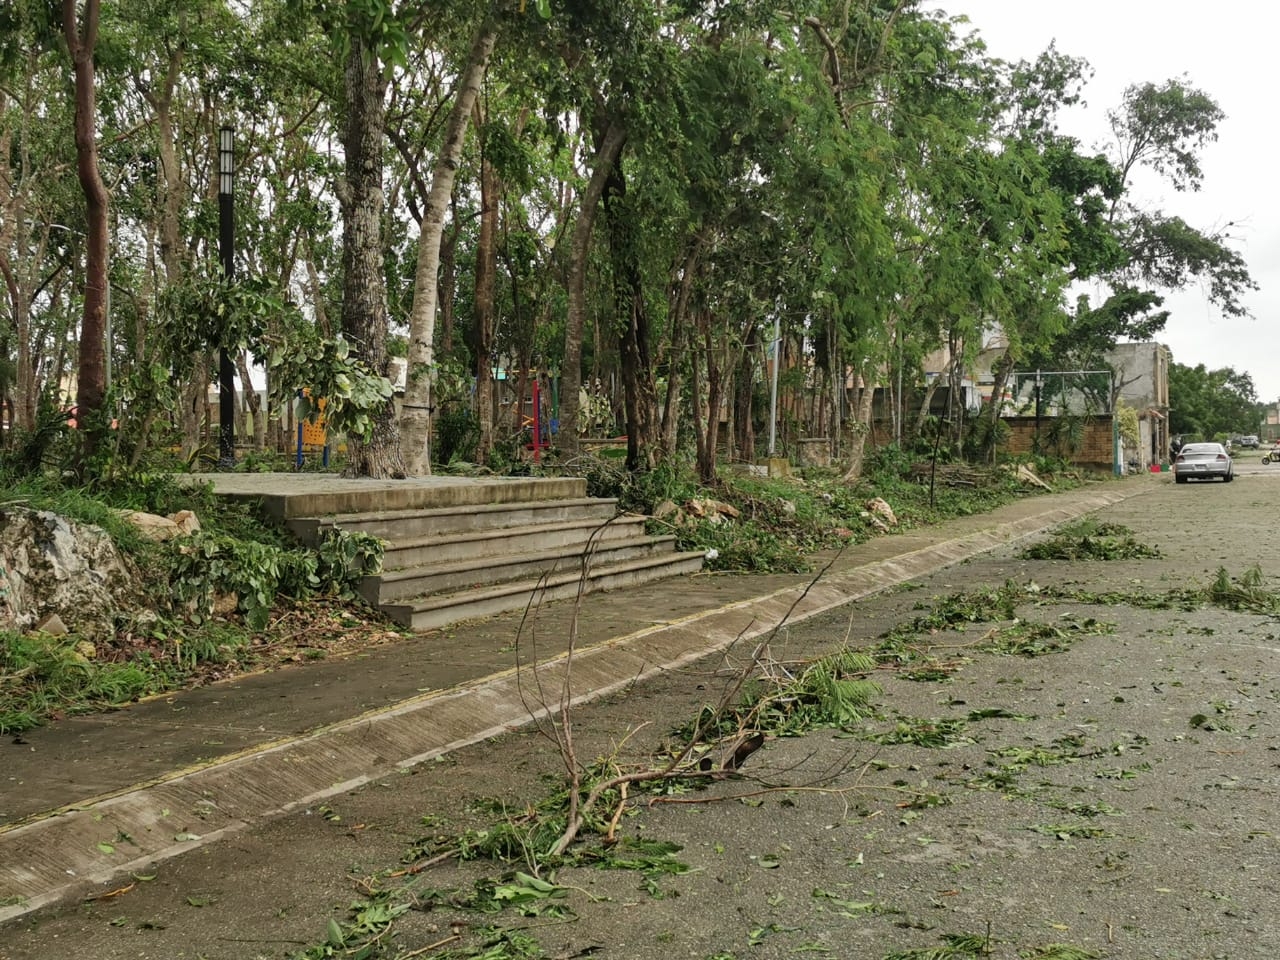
{"points": [[1231, 58]]}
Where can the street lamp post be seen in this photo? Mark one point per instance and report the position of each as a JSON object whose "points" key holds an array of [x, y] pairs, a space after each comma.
{"points": [[226, 253]]}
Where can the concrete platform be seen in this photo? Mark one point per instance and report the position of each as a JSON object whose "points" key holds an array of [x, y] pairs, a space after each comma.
{"points": [[287, 495]]}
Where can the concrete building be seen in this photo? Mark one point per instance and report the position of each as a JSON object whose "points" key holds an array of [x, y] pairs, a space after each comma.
{"points": [[1142, 382]]}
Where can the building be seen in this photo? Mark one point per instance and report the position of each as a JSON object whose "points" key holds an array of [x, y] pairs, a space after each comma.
{"points": [[1142, 382]]}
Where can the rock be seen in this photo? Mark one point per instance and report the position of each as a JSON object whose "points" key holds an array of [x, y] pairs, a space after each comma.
{"points": [[49, 564], [225, 604], [51, 624], [881, 510], [186, 521], [664, 509], [153, 527]]}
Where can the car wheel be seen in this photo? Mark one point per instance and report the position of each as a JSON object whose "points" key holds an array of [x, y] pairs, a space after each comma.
{"points": [[1178, 479], [1228, 478]]}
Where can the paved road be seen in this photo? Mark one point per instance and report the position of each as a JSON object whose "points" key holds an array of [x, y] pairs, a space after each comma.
{"points": [[267, 884]]}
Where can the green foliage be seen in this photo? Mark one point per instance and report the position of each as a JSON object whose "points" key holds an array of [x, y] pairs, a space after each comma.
{"points": [[1210, 403], [344, 557], [926, 732], [956, 946], [209, 565], [326, 369], [28, 452], [1250, 592], [1026, 638], [781, 523], [41, 674], [457, 435], [1090, 540]]}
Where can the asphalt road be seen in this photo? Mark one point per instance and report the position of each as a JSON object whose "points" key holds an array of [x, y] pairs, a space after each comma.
{"points": [[1115, 795]]}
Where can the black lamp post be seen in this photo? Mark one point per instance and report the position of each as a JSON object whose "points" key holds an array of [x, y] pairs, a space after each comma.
{"points": [[226, 252]]}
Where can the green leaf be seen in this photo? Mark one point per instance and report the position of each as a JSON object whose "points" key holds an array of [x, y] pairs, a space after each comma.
{"points": [[106, 847], [335, 935]]}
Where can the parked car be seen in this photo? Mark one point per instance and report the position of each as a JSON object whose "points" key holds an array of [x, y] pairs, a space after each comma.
{"points": [[1203, 461], [1250, 442]]}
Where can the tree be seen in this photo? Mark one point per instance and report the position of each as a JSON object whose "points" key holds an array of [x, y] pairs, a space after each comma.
{"points": [[80, 29], [1164, 127], [1208, 404], [416, 418], [373, 36]]}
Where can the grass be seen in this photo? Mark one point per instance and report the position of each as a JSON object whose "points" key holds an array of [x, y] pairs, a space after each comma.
{"points": [[178, 640]]}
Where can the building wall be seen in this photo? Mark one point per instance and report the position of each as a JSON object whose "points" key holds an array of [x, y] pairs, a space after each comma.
{"points": [[1096, 452], [1142, 374]]}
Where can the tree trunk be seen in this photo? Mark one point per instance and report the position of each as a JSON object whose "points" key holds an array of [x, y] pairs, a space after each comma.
{"points": [[448, 282], [251, 401], [1000, 378], [708, 427], [415, 419], [21, 276], [640, 395], [364, 302], [861, 428], [677, 352], [483, 315], [607, 151], [91, 385], [744, 397]]}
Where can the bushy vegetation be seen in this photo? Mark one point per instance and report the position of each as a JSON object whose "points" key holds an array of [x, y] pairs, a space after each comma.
{"points": [[784, 524], [236, 564]]}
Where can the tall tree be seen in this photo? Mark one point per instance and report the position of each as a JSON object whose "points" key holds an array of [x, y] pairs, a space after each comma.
{"points": [[80, 28], [416, 416], [360, 193]]}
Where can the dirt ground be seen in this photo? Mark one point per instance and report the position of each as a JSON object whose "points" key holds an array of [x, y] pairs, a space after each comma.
{"points": [[1111, 797]]}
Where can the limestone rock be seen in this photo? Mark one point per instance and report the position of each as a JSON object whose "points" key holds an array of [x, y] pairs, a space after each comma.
{"points": [[881, 510], [50, 565], [51, 624], [159, 529]]}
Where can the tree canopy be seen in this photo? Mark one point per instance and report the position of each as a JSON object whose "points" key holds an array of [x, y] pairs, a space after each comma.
{"points": [[637, 207]]}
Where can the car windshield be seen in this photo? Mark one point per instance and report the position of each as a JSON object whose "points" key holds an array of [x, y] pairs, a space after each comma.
{"points": [[1203, 450]]}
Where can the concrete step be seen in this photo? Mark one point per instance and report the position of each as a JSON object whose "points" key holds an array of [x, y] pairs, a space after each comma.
{"points": [[284, 496], [543, 538], [429, 613], [395, 586], [399, 525]]}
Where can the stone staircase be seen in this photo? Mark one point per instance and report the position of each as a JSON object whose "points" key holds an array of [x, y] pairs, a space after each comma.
{"points": [[460, 548]]}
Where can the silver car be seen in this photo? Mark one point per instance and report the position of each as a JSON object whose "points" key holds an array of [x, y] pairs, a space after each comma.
{"points": [[1203, 461]]}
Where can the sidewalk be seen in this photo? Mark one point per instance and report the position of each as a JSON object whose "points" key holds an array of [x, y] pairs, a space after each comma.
{"points": [[87, 799]]}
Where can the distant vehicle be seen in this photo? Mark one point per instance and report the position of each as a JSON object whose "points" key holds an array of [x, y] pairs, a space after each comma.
{"points": [[1203, 461], [1250, 442]]}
